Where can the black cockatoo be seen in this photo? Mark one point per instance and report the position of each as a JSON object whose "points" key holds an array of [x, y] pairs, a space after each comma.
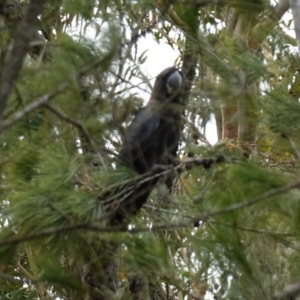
{"points": [[153, 135]]}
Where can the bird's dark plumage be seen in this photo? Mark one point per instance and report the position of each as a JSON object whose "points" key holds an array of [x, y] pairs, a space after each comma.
{"points": [[153, 135]]}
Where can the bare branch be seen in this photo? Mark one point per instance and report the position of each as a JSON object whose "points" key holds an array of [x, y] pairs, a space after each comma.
{"points": [[32, 106], [43, 100], [281, 8], [14, 61], [295, 6], [134, 37], [11, 278], [75, 123]]}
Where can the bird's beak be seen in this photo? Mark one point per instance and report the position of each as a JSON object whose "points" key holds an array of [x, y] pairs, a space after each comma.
{"points": [[174, 82]]}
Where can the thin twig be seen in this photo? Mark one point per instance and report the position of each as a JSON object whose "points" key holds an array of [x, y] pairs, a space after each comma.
{"points": [[255, 200], [44, 99], [31, 106], [75, 123], [134, 37], [84, 240], [253, 229], [204, 216], [294, 147]]}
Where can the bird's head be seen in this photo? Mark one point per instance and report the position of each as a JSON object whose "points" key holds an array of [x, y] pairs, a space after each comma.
{"points": [[167, 85]]}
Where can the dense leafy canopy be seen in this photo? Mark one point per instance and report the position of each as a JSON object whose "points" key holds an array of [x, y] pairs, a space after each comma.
{"points": [[66, 111]]}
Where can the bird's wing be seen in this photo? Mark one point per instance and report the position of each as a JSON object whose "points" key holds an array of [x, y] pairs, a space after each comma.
{"points": [[143, 128], [140, 137]]}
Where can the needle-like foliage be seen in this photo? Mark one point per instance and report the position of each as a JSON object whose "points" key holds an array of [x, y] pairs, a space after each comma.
{"points": [[73, 76]]}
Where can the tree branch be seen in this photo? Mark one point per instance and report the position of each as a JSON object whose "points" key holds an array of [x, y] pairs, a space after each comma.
{"points": [[264, 27], [254, 230], [295, 6], [201, 217], [291, 292], [281, 8], [32, 106], [14, 279], [14, 61], [195, 45], [75, 123]]}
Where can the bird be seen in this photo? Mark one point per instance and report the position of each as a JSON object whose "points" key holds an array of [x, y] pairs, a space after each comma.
{"points": [[152, 139], [153, 136]]}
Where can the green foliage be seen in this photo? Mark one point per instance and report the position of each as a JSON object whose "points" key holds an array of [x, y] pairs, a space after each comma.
{"points": [[59, 172], [85, 9]]}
